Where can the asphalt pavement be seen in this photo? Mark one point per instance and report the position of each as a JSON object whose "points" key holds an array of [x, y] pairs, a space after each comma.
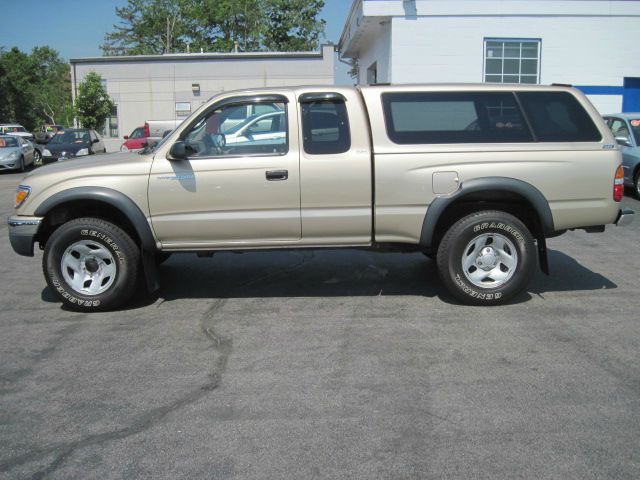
{"points": [[326, 364]]}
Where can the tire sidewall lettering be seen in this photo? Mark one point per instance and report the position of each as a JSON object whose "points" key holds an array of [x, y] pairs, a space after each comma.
{"points": [[514, 232], [70, 297], [108, 241], [474, 293]]}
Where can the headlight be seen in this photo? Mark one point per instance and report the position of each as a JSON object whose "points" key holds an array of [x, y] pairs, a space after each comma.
{"points": [[46, 153], [13, 156], [82, 151], [22, 193]]}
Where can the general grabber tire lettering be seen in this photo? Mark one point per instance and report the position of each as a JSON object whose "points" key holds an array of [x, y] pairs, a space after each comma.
{"points": [[91, 264], [486, 258]]}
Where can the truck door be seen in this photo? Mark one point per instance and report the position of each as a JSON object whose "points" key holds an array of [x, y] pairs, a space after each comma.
{"points": [[224, 194], [336, 169]]}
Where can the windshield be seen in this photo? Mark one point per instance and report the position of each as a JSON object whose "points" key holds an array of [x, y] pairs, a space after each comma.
{"points": [[13, 129], [72, 136], [635, 127], [8, 142]]}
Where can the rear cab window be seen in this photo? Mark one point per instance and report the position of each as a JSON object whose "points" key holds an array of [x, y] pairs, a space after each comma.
{"points": [[325, 124], [486, 117]]}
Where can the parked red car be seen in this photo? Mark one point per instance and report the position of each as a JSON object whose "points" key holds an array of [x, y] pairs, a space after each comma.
{"points": [[136, 140]]}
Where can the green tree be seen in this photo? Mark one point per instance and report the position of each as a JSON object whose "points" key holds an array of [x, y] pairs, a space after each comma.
{"points": [[150, 27], [52, 98], [93, 105], [170, 26], [293, 25], [36, 87]]}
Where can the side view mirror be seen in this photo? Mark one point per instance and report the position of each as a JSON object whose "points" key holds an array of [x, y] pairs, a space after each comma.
{"points": [[95, 140], [624, 141], [178, 151], [126, 137]]}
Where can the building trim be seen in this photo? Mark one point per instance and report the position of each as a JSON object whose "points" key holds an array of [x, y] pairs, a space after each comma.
{"points": [[173, 57]]}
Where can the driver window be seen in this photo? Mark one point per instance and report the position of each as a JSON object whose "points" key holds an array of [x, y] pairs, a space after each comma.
{"points": [[239, 130]]}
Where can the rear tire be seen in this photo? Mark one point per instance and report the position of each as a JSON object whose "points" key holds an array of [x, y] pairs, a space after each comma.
{"points": [[487, 258], [91, 265]]}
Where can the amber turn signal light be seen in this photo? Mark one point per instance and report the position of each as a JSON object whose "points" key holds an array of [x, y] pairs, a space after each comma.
{"points": [[22, 192]]}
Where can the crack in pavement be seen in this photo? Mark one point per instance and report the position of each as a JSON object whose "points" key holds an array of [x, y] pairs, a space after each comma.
{"points": [[222, 345]]}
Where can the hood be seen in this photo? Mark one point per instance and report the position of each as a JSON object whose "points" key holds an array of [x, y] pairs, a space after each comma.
{"points": [[92, 165], [25, 135], [126, 172], [66, 147]]}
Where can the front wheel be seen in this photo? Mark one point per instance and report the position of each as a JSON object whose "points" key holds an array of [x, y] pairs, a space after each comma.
{"points": [[487, 258], [21, 166], [91, 264], [636, 184], [37, 158]]}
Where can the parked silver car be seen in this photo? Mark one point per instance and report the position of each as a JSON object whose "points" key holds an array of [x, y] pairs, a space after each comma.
{"points": [[626, 129], [16, 153]]}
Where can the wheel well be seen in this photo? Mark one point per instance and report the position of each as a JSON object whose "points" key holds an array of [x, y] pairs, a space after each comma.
{"points": [[64, 212], [509, 202]]}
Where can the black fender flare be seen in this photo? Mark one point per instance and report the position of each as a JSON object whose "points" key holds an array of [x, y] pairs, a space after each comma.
{"points": [[123, 203], [494, 184]]}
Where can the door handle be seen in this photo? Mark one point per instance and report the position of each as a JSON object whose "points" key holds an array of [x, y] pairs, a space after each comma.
{"points": [[277, 175]]}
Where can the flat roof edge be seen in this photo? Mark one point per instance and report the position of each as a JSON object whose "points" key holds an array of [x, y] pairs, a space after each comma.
{"points": [[202, 56]]}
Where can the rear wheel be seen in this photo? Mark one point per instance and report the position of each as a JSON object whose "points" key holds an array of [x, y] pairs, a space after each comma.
{"points": [[91, 264], [486, 258]]}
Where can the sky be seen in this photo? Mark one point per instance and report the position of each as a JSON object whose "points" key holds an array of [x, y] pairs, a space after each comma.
{"points": [[76, 28]]}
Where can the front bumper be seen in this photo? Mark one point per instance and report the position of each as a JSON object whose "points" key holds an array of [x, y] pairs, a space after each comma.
{"points": [[625, 217], [22, 233]]}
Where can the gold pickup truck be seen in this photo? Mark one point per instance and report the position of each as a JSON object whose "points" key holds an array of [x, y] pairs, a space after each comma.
{"points": [[474, 176]]}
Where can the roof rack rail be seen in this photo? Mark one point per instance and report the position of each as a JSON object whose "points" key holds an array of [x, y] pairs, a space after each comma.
{"points": [[561, 85]]}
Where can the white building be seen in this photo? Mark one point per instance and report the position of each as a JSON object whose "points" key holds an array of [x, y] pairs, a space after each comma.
{"points": [[592, 44], [164, 87]]}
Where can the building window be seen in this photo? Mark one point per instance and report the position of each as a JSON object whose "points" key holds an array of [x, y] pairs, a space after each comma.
{"points": [[511, 61], [183, 109], [110, 128]]}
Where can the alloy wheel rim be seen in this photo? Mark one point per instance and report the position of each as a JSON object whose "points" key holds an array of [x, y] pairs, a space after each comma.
{"points": [[88, 267], [489, 260]]}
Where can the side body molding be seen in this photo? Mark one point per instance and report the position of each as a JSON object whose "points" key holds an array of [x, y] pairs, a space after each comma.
{"points": [[126, 206], [487, 184]]}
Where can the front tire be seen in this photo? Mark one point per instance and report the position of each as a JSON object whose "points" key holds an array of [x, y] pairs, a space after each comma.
{"points": [[636, 184], [487, 258], [37, 158], [22, 167], [91, 264]]}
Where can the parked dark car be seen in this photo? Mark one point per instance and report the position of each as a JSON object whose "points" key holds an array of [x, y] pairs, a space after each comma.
{"points": [[71, 143]]}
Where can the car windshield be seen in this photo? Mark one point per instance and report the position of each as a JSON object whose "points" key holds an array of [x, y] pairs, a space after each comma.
{"points": [[72, 136], [13, 129], [6, 142], [635, 127]]}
